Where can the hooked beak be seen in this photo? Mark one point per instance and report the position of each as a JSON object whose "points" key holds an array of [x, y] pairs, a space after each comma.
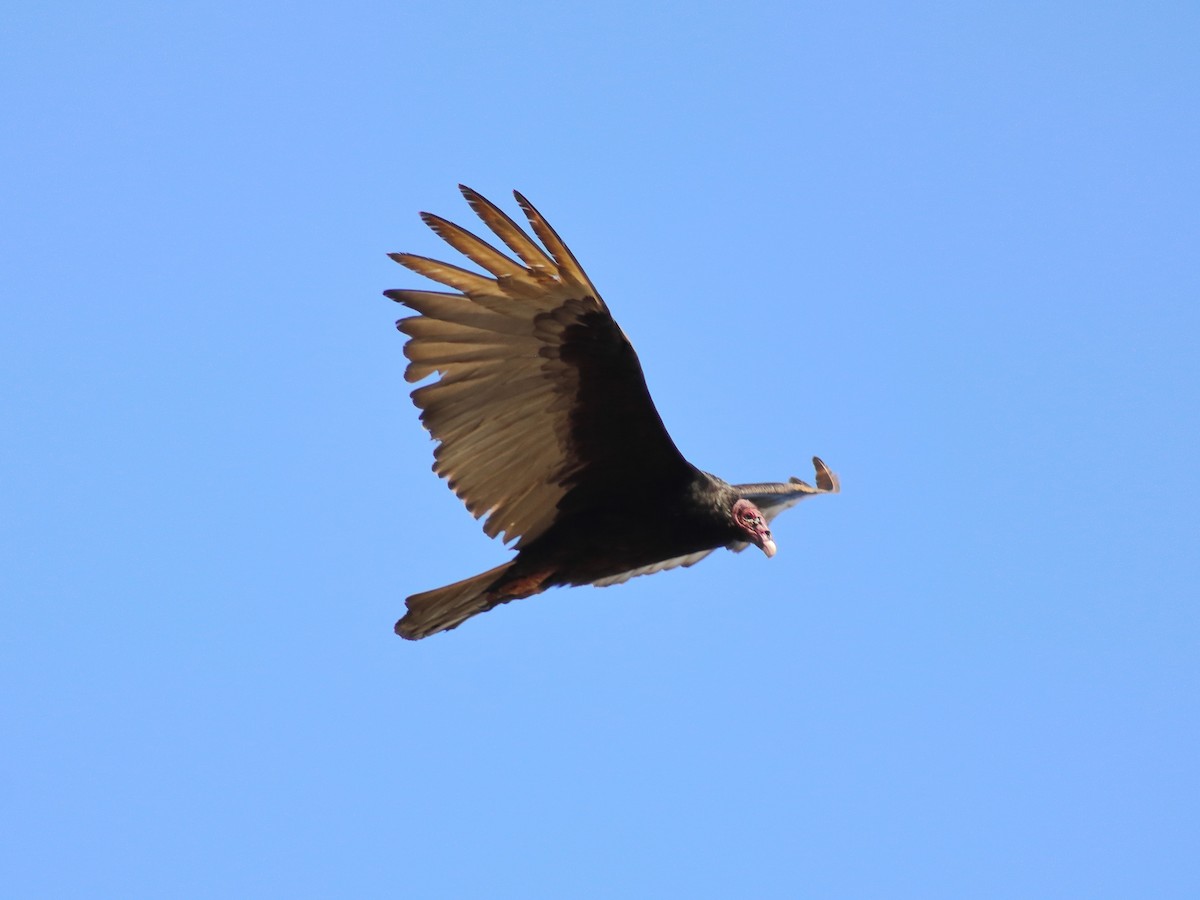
{"points": [[766, 544]]}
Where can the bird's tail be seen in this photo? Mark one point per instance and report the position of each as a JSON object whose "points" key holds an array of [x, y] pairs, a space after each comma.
{"points": [[448, 607]]}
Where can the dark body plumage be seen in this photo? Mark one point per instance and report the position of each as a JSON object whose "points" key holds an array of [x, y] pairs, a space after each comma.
{"points": [[547, 428]]}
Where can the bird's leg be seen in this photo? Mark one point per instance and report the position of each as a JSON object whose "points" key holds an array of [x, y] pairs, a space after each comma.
{"points": [[523, 584]]}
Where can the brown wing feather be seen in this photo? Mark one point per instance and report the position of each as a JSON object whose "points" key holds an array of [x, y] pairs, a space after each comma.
{"points": [[540, 397], [690, 560]]}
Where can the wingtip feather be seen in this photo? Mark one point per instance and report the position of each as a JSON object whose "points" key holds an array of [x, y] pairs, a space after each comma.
{"points": [[827, 479]]}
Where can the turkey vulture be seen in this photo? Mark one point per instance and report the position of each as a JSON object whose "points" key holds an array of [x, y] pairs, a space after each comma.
{"points": [[546, 427]]}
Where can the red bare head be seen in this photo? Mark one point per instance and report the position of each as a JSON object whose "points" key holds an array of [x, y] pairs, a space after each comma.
{"points": [[754, 524]]}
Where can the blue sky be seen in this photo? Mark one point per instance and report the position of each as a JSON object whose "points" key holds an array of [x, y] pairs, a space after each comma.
{"points": [[962, 243]]}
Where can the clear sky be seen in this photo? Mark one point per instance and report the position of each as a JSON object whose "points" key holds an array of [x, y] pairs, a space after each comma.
{"points": [[951, 248]]}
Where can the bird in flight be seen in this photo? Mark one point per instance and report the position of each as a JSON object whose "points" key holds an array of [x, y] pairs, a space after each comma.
{"points": [[545, 426]]}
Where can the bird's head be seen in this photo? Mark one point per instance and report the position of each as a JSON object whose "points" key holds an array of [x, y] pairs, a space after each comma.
{"points": [[753, 524]]}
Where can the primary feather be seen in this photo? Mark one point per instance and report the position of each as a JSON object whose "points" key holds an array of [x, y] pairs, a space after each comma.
{"points": [[546, 428]]}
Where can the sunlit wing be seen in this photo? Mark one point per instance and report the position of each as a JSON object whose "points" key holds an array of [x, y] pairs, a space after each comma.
{"points": [[539, 394]]}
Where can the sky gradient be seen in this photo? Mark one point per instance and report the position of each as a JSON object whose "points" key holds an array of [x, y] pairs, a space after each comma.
{"points": [[951, 250]]}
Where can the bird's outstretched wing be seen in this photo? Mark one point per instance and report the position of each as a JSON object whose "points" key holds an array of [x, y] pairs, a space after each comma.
{"points": [[773, 498], [539, 393]]}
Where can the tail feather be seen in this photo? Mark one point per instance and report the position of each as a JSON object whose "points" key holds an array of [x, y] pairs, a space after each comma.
{"points": [[448, 607]]}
